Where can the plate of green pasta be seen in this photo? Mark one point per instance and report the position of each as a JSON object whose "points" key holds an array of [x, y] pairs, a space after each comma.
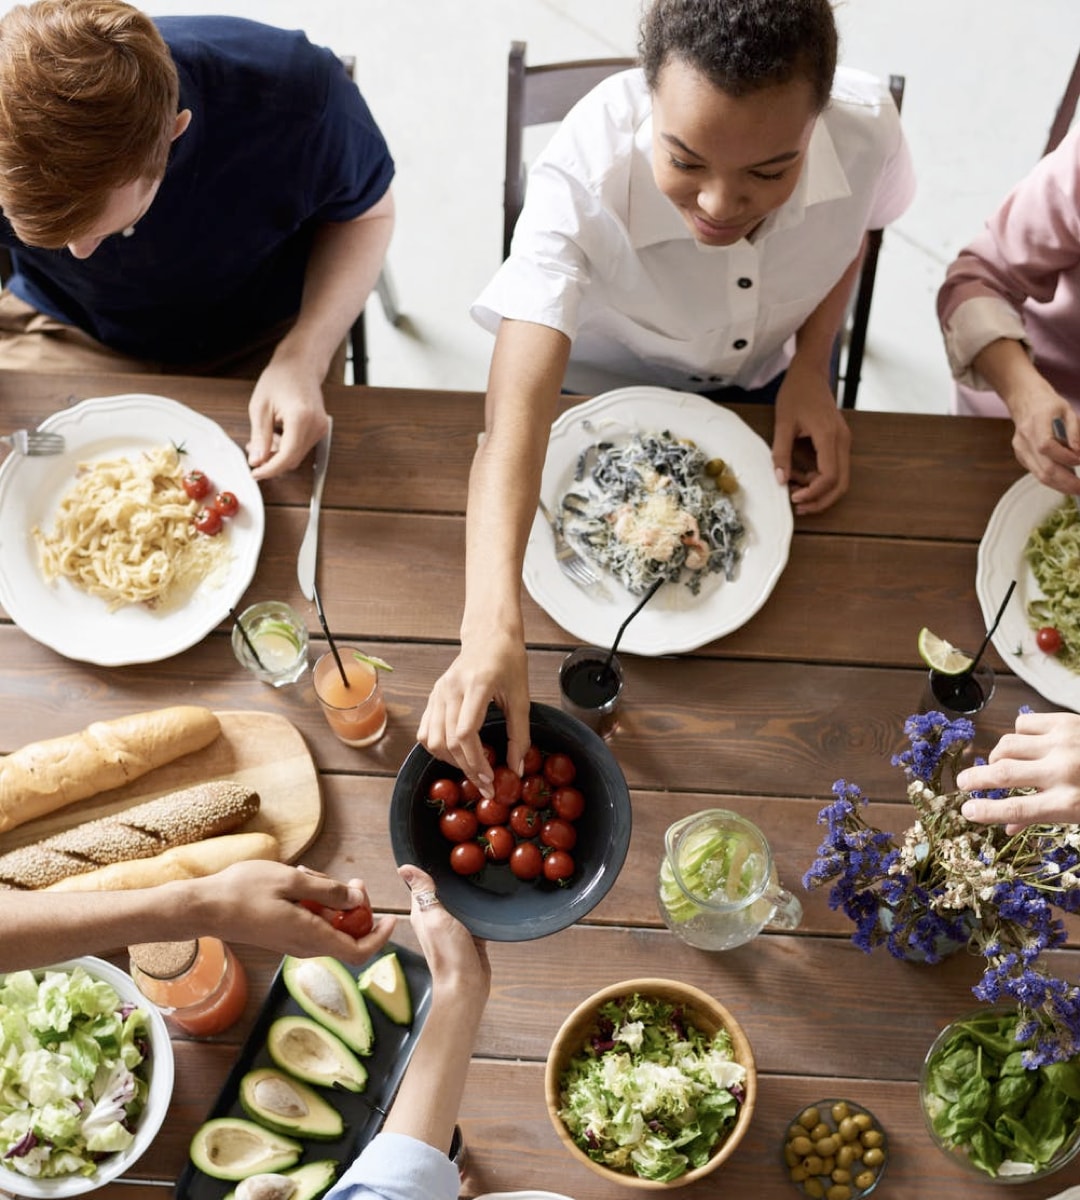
{"points": [[1033, 536]]}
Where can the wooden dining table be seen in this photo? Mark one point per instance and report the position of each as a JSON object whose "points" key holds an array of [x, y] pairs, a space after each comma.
{"points": [[814, 687]]}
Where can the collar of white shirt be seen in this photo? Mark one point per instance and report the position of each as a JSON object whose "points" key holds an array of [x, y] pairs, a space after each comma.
{"points": [[653, 218]]}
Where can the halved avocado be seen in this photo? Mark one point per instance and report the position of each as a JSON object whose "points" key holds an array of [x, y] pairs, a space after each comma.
{"points": [[288, 1106], [232, 1148], [311, 1052], [385, 984], [306, 1182], [326, 990]]}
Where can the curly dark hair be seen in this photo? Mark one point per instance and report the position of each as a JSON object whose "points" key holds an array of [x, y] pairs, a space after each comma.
{"points": [[742, 46]]}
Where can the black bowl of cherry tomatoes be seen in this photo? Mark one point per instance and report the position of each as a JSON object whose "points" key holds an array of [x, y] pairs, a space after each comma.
{"points": [[539, 858]]}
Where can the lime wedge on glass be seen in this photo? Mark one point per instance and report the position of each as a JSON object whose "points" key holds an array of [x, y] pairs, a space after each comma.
{"points": [[281, 629], [942, 656], [378, 663]]}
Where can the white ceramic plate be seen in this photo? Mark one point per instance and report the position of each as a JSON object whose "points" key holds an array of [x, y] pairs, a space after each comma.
{"points": [[674, 621], [68, 620], [157, 1101], [1001, 560]]}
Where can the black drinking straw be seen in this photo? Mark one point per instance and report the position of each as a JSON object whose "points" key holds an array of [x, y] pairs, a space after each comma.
{"points": [[247, 641], [326, 630], [993, 628], [622, 628]]}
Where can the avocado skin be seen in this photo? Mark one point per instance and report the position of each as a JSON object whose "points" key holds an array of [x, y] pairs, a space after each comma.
{"points": [[395, 1003], [287, 1155], [352, 1074], [311, 1179], [355, 1030], [322, 1122]]}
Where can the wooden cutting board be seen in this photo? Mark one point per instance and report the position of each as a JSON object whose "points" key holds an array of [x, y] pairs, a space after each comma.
{"points": [[265, 751]]}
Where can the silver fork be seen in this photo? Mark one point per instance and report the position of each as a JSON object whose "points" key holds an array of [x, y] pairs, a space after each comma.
{"points": [[34, 441], [571, 563]]}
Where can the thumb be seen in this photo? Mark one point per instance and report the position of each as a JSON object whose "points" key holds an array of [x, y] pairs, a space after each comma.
{"points": [[783, 443], [415, 879]]}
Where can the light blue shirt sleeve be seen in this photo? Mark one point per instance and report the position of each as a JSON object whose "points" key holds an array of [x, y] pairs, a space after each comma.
{"points": [[394, 1166]]}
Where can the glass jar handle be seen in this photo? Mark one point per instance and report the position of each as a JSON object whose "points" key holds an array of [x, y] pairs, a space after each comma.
{"points": [[787, 911]]}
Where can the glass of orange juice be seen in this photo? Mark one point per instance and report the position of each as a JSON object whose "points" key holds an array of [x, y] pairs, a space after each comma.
{"points": [[357, 713]]}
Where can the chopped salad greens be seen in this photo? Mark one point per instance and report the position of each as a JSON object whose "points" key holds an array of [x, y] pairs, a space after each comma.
{"points": [[979, 1097], [1053, 550], [73, 1081], [650, 1093]]}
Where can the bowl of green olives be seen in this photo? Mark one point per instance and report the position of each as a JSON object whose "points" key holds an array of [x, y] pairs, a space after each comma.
{"points": [[835, 1150]]}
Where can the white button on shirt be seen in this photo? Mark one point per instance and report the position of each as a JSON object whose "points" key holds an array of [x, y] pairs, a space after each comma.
{"points": [[600, 254]]}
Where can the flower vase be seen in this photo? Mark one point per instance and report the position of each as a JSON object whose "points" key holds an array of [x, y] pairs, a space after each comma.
{"points": [[944, 943]]}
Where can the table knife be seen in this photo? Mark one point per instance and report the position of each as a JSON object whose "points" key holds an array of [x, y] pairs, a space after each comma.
{"points": [[1062, 438], [309, 547]]}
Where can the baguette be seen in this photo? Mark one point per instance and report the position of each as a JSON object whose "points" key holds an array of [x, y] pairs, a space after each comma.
{"points": [[44, 776], [192, 861], [143, 831]]}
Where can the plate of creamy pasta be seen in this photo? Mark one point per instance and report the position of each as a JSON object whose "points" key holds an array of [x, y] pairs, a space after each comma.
{"points": [[100, 556], [1033, 536], [647, 483]]}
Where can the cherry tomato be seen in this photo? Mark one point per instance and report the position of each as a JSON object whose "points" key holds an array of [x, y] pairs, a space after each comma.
{"points": [[490, 810], [498, 843], [568, 803], [558, 865], [507, 785], [489, 754], [467, 858], [227, 504], [208, 521], [559, 834], [356, 922], [525, 821], [1048, 640], [445, 792], [559, 770], [470, 793], [196, 485], [534, 760], [458, 825], [526, 861], [535, 791], [312, 906]]}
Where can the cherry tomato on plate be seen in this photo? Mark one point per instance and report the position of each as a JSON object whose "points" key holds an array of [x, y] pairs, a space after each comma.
{"points": [[356, 922], [458, 825], [559, 834], [526, 861], [559, 770], [568, 803], [558, 865], [227, 504], [445, 792], [1048, 640], [498, 843], [467, 858], [196, 485], [208, 521], [525, 821]]}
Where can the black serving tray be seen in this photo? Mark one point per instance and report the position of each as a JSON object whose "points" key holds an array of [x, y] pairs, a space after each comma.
{"points": [[363, 1112]]}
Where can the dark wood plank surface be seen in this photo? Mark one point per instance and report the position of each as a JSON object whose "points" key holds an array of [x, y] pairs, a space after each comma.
{"points": [[814, 687]]}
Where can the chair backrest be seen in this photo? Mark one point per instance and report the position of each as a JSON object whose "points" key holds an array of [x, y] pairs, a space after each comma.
{"points": [[1063, 118], [856, 344], [540, 96]]}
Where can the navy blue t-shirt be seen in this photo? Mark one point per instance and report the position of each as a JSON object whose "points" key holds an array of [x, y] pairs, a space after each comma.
{"points": [[280, 142]]}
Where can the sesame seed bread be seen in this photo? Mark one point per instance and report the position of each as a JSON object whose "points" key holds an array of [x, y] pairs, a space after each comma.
{"points": [[44, 776], [178, 818]]}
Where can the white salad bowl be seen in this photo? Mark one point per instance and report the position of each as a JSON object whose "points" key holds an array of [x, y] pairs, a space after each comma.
{"points": [[160, 1076]]}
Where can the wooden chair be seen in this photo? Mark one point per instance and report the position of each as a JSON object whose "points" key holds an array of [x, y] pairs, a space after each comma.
{"points": [[545, 94]]}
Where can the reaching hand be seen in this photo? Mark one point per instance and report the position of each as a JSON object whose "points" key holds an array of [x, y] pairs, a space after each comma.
{"points": [[493, 668], [1033, 411], [1043, 754], [287, 418], [806, 408], [455, 958]]}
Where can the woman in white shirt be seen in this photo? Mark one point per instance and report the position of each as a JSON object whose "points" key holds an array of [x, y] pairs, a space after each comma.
{"points": [[696, 224]]}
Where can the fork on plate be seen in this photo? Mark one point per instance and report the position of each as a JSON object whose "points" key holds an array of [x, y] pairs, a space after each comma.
{"points": [[34, 441], [572, 565]]}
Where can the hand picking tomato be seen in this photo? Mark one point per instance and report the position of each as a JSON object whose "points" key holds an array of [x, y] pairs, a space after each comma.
{"points": [[196, 485], [357, 922], [467, 858], [1048, 640], [208, 521], [227, 504], [559, 770]]}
